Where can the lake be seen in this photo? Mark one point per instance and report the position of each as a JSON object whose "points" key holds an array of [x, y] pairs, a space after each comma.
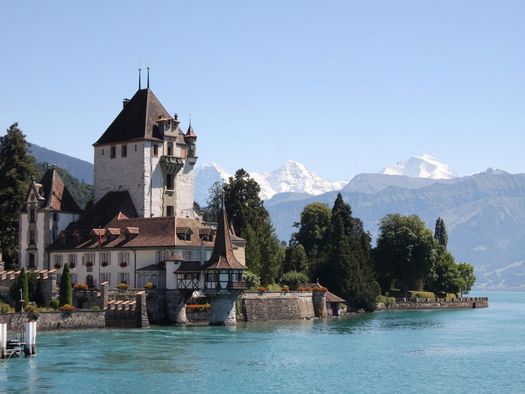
{"points": [[456, 351]]}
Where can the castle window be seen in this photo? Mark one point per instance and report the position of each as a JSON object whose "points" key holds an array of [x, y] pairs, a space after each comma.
{"points": [[113, 152], [105, 259], [55, 217], [102, 151], [187, 255], [123, 277], [32, 215], [57, 261], [32, 260], [170, 210], [124, 150], [155, 150], [72, 260], [31, 237], [135, 147], [170, 149], [170, 184], [105, 277], [54, 234]]}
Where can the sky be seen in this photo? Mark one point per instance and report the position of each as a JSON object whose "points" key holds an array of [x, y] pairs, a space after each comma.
{"points": [[342, 86]]}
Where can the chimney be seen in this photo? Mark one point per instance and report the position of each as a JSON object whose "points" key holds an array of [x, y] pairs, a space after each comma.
{"points": [[125, 102]]}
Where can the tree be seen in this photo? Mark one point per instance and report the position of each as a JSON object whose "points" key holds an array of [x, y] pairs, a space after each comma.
{"points": [[16, 169], [315, 219], [251, 221], [346, 265], [440, 233], [214, 201], [295, 259], [65, 295], [243, 204], [444, 276], [466, 272], [271, 253], [404, 251]]}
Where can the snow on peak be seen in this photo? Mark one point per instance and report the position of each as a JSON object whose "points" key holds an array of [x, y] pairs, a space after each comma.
{"points": [[423, 166], [292, 176]]}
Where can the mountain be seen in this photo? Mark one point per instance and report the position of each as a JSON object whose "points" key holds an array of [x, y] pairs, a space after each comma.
{"points": [[291, 177], [80, 169], [205, 176], [424, 166], [484, 214]]}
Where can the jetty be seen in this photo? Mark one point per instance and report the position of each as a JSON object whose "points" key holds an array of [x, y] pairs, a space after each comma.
{"points": [[23, 344]]}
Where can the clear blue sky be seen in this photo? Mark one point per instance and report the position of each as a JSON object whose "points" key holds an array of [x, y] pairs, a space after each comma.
{"points": [[342, 86]]}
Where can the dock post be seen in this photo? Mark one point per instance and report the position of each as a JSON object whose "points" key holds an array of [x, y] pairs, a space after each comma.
{"points": [[29, 338], [33, 343], [3, 340]]}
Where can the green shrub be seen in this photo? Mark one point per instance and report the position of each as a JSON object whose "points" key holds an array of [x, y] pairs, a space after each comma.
{"points": [[6, 308], [381, 299], [30, 308], [273, 287], [54, 304], [294, 279], [95, 308], [252, 280], [421, 294]]}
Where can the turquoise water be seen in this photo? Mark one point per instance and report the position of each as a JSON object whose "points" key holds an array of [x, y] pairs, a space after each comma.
{"points": [[458, 351]]}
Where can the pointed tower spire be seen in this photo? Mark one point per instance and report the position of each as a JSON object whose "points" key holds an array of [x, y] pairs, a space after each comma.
{"points": [[222, 256], [148, 75], [190, 133], [140, 71]]}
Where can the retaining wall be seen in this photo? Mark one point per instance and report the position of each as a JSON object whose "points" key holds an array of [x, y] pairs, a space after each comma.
{"points": [[465, 303], [46, 321], [259, 306]]}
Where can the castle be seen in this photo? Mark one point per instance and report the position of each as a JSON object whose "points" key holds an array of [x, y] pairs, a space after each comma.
{"points": [[142, 228]]}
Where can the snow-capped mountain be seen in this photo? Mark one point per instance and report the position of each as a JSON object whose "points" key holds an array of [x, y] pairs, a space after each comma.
{"points": [[205, 176], [293, 176], [290, 177], [424, 166]]}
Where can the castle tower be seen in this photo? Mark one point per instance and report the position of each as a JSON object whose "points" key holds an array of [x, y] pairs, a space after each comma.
{"points": [[145, 152]]}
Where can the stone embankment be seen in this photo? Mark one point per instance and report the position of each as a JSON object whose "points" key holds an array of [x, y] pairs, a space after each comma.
{"points": [[48, 321], [465, 303], [265, 306]]}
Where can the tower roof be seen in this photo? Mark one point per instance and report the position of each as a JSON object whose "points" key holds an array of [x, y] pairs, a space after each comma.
{"points": [[137, 120], [222, 256], [57, 196], [190, 133]]}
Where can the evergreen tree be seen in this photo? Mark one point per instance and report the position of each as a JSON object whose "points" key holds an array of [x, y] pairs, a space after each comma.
{"points": [[16, 169], [65, 295], [315, 219], [346, 268], [440, 233], [243, 204], [251, 221], [214, 201], [295, 259]]}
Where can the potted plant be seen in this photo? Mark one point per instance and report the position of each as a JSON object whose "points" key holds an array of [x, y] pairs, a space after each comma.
{"points": [[104, 264], [58, 266], [122, 286], [123, 264], [89, 264]]}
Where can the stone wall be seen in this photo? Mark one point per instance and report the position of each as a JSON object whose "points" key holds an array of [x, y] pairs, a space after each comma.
{"points": [[277, 306], [46, 321], [465, 303]]}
